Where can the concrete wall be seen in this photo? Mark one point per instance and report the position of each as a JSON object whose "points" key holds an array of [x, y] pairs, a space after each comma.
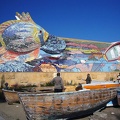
{"points": [[37, 78]]}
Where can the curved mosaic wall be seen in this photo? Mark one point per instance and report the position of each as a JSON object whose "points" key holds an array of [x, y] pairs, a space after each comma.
{"points": [[27, 47]]}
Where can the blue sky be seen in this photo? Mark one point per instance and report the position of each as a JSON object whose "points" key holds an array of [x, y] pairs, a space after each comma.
{"points": [[97, 20]]}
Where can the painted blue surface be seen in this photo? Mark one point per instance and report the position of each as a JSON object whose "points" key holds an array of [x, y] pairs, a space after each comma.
{"points": [[83, 19], [113, 102]]}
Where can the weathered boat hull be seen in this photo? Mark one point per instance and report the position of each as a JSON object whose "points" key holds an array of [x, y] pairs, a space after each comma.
{"points": [[113, 102], [11, 96], [51, 106]]}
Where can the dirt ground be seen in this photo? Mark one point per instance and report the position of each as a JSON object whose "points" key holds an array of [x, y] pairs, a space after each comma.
{"points": [[16, 112]]}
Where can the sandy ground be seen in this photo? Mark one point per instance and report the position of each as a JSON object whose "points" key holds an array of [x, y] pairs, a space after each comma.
{"points": [[12, 112], [16, 112]]}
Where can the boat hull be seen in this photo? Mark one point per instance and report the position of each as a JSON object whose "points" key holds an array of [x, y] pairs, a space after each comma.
{"points": [[51, 106], [11, 96]]}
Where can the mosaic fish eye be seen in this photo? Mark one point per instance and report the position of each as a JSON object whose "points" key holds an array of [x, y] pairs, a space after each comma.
{"points": [[40, 31]]}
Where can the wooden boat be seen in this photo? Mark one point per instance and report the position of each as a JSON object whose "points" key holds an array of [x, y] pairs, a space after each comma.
{"points": [[11, 96], [52, 106], [113, 52], [101, 85]]}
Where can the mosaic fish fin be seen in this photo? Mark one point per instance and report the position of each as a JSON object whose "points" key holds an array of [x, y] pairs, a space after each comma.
{"points": [[25, 17]]}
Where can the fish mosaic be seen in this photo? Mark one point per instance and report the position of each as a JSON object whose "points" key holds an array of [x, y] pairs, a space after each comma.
{"points": [[27, 47]]}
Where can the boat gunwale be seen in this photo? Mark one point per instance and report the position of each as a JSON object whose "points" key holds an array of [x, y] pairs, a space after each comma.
{"points": [[64, 93]]}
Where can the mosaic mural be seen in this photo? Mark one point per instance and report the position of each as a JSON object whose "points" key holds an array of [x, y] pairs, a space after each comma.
{"points": [[27, 47]]}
